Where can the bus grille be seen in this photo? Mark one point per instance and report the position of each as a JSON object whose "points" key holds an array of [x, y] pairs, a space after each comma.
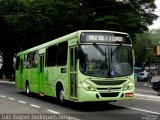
{"points": [[109, 94], [115, 82], [112, 88]]}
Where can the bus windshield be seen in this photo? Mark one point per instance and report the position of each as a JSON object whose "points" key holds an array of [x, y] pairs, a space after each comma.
{"points": [[106, 60]]}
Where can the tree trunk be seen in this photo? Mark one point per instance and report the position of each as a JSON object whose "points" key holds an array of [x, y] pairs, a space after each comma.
{"points": [[8, 70]]}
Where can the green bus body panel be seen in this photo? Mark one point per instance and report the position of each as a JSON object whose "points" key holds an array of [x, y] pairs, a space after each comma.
{"points": [[46, 82], [54, 75], [32, 76]]}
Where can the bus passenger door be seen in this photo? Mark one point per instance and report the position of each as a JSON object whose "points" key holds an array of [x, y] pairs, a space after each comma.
{"points": [[73, 73], [41, 75]]}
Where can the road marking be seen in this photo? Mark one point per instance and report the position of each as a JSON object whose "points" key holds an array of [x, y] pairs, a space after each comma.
{"points": [[52, 111], [55, 112], [142, 90], [36, 106], [148, 99], [21, 101], [147, 96], [73, 118], [141, 110], [2, 96], [11, 98], [144, 97], [146, 84]]}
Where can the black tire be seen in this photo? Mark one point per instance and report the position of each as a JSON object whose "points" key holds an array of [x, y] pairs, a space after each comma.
{"points": [[158, 92], [60, 96]]}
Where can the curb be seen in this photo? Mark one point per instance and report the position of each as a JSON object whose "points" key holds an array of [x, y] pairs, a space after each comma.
{"points": [[7, 82]]}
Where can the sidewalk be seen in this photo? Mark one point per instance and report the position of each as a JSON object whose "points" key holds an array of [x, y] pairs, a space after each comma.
{"points": [[10, 81], [6, 80]]}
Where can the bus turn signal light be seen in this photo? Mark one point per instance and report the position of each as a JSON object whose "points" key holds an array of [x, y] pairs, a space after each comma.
{"points": [[129, 94]]}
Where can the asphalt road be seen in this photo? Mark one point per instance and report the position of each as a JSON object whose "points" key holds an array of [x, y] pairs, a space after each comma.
{"points": [[14, 102]]}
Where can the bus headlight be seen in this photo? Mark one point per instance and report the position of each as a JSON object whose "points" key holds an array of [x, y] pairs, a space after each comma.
{"points": [[86, 86], [128, 86]]}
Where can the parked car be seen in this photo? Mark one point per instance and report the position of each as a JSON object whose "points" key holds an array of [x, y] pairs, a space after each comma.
{"points": [[156, 86], [144, 76], [136, 71]]}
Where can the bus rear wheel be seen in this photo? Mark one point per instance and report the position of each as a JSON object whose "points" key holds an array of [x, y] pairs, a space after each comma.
{"points": [[27, 89], [158, 92], [60, 96]]}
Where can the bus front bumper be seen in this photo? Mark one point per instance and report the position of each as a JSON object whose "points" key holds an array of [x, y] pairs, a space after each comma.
{"points": [[89, 96]]}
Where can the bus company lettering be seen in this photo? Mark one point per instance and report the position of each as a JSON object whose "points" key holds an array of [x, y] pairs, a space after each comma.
{"points": [[34, 117], [21, 117], [104, 38], [6, 117], [15, 117]]}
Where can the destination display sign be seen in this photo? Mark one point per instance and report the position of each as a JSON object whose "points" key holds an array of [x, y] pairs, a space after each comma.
{"points": [[104, 37]]}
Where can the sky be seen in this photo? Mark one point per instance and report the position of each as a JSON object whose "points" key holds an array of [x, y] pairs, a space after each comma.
{"points": [[156, 23]]}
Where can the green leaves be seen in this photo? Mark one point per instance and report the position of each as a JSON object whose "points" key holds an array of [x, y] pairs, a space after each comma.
{"points": [[43, 20], [27, 23]]}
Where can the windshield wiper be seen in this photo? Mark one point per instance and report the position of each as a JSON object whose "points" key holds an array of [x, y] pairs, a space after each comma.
{"points": [[102, 52], [114, 51], [99, 49]]}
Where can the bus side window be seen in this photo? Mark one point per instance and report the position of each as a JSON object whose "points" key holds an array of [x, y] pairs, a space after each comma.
{"points": [[51, 57], [62, 54], [31, 60], [25, 61], [35, 59]]}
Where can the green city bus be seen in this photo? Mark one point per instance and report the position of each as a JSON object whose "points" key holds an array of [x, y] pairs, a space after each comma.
{"points": [[84, 66]]}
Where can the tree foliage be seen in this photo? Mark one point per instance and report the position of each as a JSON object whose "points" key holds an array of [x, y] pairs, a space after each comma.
{"points": [[38, 21], [144, 44], [27, 23], [131, 16], [143, 48], [154, 36]]}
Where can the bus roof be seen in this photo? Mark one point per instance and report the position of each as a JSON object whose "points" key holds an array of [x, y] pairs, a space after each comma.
{"points": [[63, 39]]}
